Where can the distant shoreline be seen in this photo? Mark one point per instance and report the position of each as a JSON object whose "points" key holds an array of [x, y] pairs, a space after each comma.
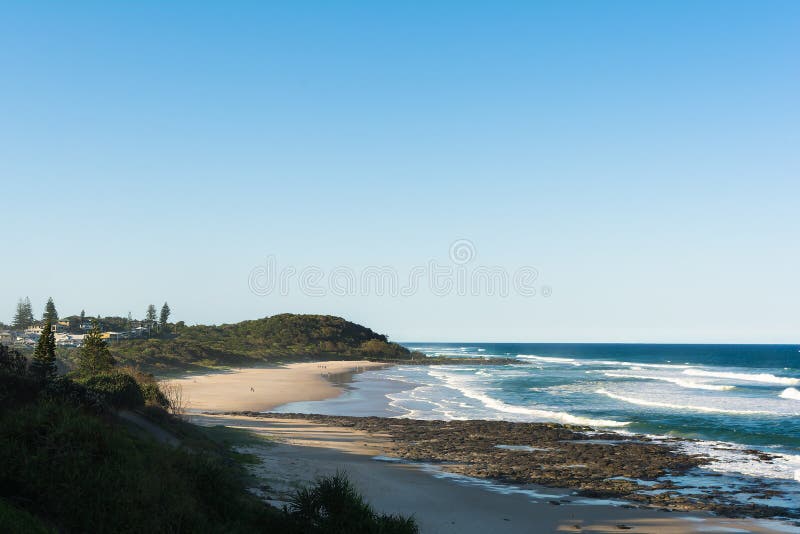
{"points": [[229, 389]]}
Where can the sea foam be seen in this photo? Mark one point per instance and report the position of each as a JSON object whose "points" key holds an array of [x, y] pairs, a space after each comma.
{"points": [[690, 384], [611, 363], [657, 404], [550, 359], [764, 378], [529, 412], [736, 458], [790, 393], [561, 417]]}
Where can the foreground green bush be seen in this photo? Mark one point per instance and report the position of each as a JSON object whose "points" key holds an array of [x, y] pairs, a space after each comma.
{"points": [[18, 389], [153, 395], [69, 466], [151, 390], [16, 521], [88, 475], [12, 361], [333, 506], [119, 390]]}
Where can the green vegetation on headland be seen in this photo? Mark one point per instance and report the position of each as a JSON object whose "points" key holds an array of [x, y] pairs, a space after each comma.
{"points": [[100, 451], [157, 345], [280, 338]]}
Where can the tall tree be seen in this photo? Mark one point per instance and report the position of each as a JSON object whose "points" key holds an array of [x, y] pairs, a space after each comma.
{"points": [[43, 363], [50, 313], [23, 318], [94, 356], [151, 314], [150, 317], [162, 323]]}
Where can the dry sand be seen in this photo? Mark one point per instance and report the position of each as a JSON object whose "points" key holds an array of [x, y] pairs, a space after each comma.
{"points": [[299, 451], [263, 389]]}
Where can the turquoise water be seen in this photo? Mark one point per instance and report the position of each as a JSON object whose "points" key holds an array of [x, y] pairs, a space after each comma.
{"points": [[726, 398], [748, 394]]}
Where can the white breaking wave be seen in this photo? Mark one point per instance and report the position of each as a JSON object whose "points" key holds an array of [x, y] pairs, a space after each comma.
{"points": [[691, 384], [561, 417], [550, 359], [735, 458], [745, 377], [440, 354], [633, 365], [612, 363], [533, 413], [793, 394], [656, 404]]}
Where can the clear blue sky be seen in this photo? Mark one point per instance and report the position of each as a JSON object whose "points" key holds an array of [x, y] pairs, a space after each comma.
{"points": [[643, 156]]}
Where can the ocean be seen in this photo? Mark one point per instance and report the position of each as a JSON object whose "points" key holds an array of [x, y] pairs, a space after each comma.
{"points": [[725, 398]]}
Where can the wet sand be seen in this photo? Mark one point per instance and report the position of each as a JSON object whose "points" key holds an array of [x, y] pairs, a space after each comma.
{"points": [[299, 451]]}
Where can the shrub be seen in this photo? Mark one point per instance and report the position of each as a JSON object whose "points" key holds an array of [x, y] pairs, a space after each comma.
{"points": [[63, 389], [86, 474], [17, 389], [153, 395], [16, 521], [12, 361], [334, 506], [377, 348], [119, 390]]}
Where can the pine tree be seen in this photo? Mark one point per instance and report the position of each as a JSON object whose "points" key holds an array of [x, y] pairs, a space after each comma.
{"points": [[50, 313], [23, 318], [43, 363], [19, 317], [165, 311], [94, 356]]}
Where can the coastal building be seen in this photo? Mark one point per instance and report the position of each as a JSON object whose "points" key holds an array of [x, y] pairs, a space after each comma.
{"points": [[114, 336], [69, 340], [140, 331], [37, 330]]}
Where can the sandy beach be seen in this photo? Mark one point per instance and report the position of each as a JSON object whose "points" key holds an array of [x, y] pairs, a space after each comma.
{"points": [[297, 451], [262, 389]]}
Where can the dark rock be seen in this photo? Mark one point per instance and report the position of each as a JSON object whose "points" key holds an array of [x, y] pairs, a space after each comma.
{"points": [[565, 456]]}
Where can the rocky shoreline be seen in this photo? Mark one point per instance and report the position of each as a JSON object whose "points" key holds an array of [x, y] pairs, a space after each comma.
{"points": [[591, 463]]}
